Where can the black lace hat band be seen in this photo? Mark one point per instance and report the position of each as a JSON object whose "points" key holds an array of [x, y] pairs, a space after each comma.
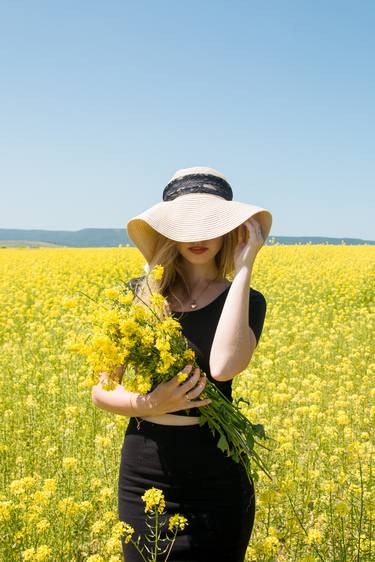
{"points": [[198, 183]]}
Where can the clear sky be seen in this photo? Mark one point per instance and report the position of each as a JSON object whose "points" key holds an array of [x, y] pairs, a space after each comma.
{"points": [[102, 101]]}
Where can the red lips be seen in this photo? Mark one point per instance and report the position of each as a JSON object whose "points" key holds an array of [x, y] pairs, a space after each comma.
{"points": [[198, 249]]}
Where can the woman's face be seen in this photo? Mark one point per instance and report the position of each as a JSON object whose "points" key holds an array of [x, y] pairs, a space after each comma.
{"points": [[212, 247]]}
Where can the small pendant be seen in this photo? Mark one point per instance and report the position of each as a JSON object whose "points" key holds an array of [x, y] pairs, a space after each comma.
{"points": [[193, 305]]}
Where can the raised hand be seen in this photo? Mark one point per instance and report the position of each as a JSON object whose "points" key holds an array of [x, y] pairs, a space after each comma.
{"points": [[246, 250]]}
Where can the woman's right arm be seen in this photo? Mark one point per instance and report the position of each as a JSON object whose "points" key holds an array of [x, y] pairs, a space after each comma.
{"points": [[165, 398], [121, 401]]}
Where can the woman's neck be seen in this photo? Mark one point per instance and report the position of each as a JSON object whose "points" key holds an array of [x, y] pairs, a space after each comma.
{"points": [[199, 274]]}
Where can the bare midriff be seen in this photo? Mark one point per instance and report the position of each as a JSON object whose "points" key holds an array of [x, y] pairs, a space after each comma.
{"points": [[172, 419]]}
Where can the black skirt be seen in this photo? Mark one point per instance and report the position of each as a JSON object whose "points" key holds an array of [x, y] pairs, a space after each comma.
{"points": [[198, 481]]}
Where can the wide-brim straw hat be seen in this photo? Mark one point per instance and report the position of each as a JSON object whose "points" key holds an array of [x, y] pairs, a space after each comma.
{"points": [[197, 205]]}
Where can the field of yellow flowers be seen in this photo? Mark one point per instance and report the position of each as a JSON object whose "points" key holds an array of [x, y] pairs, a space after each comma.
{"points": [[310, 382]]}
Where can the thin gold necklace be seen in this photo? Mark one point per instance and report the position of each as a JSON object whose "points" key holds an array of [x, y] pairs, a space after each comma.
{"points": [[193, 303]]}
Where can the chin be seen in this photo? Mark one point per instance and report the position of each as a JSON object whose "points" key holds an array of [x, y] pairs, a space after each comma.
{"points": [[198, 259]]}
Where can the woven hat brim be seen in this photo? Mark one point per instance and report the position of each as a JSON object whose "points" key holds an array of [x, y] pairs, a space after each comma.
{"points": [[191, 218]]}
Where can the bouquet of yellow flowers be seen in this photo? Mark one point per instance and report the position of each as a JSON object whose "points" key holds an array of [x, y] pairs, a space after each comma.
{"points": [[150, 345]]}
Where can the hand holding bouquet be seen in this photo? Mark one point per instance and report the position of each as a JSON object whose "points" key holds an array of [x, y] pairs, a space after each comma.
{"points": [[155, 357]]}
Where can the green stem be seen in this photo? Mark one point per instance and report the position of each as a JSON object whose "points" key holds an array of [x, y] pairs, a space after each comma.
{"points": [[140, 552], [170, 546], [302, 525], [156, 535], [88, 296], [227, 420]]}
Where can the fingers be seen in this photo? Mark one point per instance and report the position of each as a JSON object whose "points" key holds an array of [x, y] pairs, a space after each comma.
{"points": [[190, 382], [174, 382], [193, 404], [254, 224], [246, 228], [103, 376], [194, 385], [254, 228], [195, 392], [199, 403], [241, 233]]}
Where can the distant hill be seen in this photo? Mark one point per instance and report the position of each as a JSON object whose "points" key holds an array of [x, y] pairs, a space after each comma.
{"points": [[84, 238], [114, 237]]}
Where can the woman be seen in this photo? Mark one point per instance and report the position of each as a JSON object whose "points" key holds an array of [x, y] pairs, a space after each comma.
{"points": [[199, 235]]}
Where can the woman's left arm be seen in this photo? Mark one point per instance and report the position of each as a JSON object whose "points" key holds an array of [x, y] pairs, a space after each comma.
{"points": [[234, 342]]}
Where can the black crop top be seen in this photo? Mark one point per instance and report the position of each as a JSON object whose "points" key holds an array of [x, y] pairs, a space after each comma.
{"points": [[199, 327]]}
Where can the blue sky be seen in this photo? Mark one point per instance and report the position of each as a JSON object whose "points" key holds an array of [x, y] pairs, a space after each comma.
{"points": [[101, 102]]}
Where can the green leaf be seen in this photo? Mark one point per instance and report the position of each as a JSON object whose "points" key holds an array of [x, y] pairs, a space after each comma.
{"points": [[223, 443], [235, 457], [241, 399], [250, 441], [259, 430]]}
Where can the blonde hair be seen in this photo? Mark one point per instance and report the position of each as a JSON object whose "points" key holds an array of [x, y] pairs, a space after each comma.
{"points": [[166, 254]]}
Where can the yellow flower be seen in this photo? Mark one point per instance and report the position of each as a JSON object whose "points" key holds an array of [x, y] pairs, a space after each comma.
{"points": [[342, 418], [95, 483], [112, 546], [102, 442], [328, 485], [68, 506], [28, 554], [19, 487], [41, 497], [128, 326], [342, 508], [162, 345], [109, 516], [169, 327], [177, 521], [42, 553], [313, 535], [104, 494], [69, 463], [86, 506], [182, 376], [270, 545], [122, 529], [111, 293], [126, 298], [5, 510], [154, 498], [189, 355], [144, 387], [157, 272], [157, 299], [49, 486], [98, 527], [69, 303]]}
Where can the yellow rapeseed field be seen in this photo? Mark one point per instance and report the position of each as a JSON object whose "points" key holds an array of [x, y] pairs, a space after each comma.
{"points": [[310, 383]]}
